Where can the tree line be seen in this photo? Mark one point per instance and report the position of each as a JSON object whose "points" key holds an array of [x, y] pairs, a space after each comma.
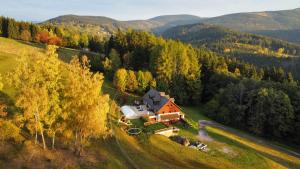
{"points": [[49, 34], [264, 108], [135, 82]]}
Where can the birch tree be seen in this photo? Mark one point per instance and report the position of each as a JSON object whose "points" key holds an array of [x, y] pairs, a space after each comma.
{"points": [[52, 72], [36, 82], [83, 100], [25, 79]]}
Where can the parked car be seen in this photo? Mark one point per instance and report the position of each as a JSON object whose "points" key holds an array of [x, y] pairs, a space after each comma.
{"points": [[202, 146], [198, 145], [181, 140]]}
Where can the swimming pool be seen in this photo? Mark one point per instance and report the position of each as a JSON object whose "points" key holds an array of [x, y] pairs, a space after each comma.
{"points": [[129, 112]]}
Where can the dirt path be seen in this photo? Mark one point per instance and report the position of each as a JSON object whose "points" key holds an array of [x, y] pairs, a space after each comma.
{"points": [[248, 137]]}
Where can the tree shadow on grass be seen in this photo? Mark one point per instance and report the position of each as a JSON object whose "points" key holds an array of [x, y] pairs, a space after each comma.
{"points": [[9, 102], [232, 142]]}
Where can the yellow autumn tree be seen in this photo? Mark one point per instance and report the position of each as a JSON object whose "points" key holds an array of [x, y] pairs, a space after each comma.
{"points": [[36, 82], [132, 83], [120, 79], [52, 71], [83, 100]]}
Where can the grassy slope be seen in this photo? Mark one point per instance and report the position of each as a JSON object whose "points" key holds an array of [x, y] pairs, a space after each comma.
{"points": [[123, 151], [252, 151]]}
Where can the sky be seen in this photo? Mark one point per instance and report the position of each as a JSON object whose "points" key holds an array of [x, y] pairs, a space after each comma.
{"points": [[40, 10]]}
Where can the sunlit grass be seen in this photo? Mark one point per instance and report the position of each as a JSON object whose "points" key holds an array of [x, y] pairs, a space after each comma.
{"points": [[271, 153], [250, 153]]}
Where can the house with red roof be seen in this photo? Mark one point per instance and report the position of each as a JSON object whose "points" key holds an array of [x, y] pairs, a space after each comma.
{"points": [[162, 108]]}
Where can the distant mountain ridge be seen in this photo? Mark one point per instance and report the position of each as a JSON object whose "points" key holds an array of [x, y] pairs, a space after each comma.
{"points": [[257, 21], [157, 24], [284, 24]]}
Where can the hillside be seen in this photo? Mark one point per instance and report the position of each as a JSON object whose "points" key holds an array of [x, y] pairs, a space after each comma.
{"points": [[219, 38], [265, 23], [260, 50], [283, 24], [157, 24], [249, 22], [227, 149], [255, 21], [288, 35], [85, 23], [169, 21]]}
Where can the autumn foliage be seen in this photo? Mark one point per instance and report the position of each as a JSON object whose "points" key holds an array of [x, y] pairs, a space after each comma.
{"points": [[45, 37], [54, 105]]}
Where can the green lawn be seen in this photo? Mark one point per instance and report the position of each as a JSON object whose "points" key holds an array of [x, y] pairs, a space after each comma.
{"points": [[147, 129], [195, 113], [138, 122]]}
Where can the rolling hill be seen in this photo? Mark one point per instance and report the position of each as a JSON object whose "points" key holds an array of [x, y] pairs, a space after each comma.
{"points": [[284, 24], [258, 21], [280, 24], [248, 22], [157, 24]]}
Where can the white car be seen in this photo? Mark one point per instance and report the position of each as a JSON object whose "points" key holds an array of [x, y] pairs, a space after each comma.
{"points": [[202, 146], [198, 145]]}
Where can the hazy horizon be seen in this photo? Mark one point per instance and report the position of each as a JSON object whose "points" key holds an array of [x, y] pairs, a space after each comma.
{"points": [[34, 10]]}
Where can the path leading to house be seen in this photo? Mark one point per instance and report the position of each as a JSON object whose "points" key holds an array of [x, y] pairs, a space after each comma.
{"points": [[202, 134], [248, 137]]}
